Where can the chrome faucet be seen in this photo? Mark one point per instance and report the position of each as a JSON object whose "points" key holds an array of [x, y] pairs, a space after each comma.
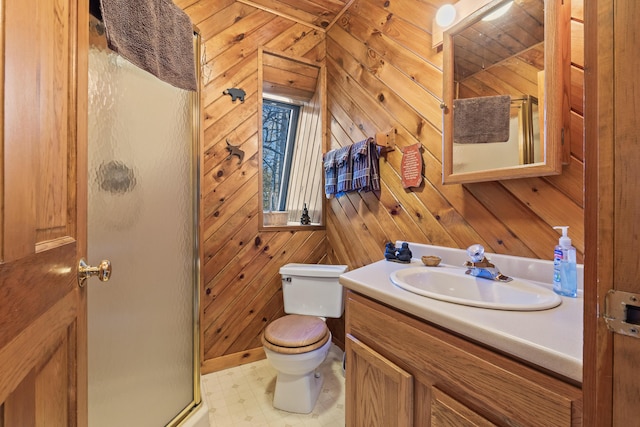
{"points": [[479, 266]]}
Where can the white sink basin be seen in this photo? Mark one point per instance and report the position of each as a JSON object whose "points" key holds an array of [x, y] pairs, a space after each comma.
{"points": [[451, 284]]}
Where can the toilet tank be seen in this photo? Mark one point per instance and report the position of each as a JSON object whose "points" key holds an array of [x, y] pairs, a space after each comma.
{"points": [[313, 289]]}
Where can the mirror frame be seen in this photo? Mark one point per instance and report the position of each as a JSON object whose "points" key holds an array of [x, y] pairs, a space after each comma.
{"points": [[323, 101], [556, 104]]}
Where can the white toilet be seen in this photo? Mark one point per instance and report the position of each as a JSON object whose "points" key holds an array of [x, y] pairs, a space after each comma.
{"points": [[297, 343]]}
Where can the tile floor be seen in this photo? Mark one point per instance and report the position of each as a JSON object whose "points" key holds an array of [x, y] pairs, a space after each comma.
{"points": [[242, 396]]}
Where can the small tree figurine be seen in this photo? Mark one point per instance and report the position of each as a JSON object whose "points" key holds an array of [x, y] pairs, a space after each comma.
{"points": [[305, 219]]}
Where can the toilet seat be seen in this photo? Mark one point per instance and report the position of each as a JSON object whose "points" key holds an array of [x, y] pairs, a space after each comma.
{"points": [[295, 334]]}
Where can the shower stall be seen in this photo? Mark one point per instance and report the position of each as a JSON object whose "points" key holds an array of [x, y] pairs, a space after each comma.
{"points": [[142, 216]]}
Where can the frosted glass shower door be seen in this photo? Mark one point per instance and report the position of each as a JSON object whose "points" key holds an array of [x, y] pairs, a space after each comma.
{"points": [[141, 217]]}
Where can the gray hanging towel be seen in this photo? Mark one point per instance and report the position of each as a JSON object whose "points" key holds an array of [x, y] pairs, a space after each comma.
{"points": [[365, 156], [155, 35], [330, 173], [374, 166], [344, 165], [360, 159], [480, 120]]}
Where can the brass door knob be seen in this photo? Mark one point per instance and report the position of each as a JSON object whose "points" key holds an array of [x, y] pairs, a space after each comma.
{"points": [[103, 271]]}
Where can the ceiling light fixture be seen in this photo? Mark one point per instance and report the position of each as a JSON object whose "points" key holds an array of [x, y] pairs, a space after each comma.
{"points": [[446, 15]]}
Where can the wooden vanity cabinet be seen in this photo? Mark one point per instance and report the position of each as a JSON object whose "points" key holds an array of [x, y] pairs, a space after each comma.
{"points": [[402, 371]]}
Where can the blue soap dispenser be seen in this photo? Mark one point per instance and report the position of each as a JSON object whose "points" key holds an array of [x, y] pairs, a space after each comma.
{"points": [[565, 281]]}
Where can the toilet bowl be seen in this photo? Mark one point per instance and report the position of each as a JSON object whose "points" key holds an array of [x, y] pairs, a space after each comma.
{"points": [[296, 356], [298, 343]]}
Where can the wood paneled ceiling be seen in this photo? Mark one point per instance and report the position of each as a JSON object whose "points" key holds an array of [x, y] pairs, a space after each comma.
{"points": [[321, 14]]}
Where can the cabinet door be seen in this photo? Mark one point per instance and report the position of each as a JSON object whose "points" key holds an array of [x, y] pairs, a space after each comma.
{"points": [[378, 393], [448, 412], [501, 390]]}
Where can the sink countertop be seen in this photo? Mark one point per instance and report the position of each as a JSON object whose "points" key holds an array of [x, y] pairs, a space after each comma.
{"points": [[551, 339]]}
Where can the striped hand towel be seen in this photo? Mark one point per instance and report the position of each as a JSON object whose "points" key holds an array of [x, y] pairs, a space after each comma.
{"points": [[366, 171], [344, 166], [330, 173]]}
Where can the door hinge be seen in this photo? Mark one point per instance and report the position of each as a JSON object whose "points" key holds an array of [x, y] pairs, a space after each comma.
{"points": [[622, 312]]}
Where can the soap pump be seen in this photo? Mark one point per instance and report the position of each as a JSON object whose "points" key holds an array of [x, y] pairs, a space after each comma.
{"points": [[565, 281]]}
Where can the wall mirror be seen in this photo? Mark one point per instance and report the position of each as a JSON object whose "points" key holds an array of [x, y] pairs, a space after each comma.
{"points": [[292, 139], [506, 91]]}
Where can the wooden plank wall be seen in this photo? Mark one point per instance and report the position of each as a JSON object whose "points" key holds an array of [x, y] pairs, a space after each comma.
{"points": [[382, 74], [242, 288]]}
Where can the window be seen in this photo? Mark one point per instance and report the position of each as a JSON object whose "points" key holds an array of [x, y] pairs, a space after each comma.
{"points": [[279, 124]]}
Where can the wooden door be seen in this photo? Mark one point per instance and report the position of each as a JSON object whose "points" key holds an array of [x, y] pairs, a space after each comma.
{"points": [[611, 360], [626, 246], [43, 216], [378, 392]]}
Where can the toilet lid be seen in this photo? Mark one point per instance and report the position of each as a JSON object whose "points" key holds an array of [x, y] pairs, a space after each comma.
{"points": [[295, 334]]}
